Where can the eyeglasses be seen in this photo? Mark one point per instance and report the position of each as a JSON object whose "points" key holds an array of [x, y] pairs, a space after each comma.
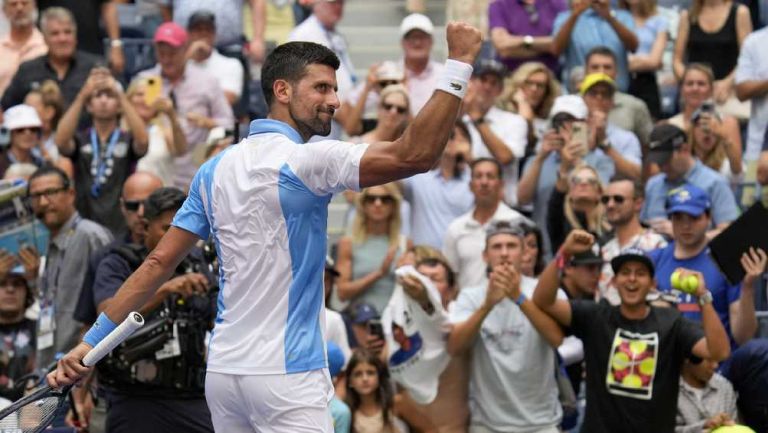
{"points": [[389, 107], [385, 199], [535, 84], [132, 205], [619, 199], [48, 193], [577, 180]]}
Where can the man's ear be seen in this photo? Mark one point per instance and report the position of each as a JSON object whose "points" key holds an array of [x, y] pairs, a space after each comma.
{"points": [[282, 90]]}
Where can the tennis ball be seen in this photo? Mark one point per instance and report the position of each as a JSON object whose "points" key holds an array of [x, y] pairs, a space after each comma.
{"points": [[675, 280], [733, 429], [690, 284]]}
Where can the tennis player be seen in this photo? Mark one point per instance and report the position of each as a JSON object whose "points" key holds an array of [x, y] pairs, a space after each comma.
{"points": [[265, 202]]}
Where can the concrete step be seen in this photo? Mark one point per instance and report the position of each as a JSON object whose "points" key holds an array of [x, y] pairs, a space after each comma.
{"points": [[387, 12]]}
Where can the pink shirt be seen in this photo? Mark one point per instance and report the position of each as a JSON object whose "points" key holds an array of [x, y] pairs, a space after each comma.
{"points": [[421, 86], [14, 54]]}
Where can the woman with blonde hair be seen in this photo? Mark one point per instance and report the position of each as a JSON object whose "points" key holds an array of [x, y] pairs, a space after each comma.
{"points": [[166, 138], [48, 101], [530, 92], [575, 204], [394, 114], [366, 256], [710, 147]]}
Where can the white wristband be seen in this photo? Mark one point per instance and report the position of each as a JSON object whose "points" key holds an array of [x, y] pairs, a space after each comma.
{"points": [[455, 78]]}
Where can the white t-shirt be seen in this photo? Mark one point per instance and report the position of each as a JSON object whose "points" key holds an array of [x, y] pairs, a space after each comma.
{"points": [[265, 202], [158, 159], [227, 70], [512, 380], [512, 129], [465, 241]]}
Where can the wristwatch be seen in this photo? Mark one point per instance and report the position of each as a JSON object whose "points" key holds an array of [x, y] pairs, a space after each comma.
{"points": [[528, 41], [705, 299], [604, 145]]}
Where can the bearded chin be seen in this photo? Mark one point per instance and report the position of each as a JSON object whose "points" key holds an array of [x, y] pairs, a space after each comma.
{"points": [[310, 127]]}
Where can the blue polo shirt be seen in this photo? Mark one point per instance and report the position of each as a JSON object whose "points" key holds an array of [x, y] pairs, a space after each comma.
{"points": [[723, 293], [548, 176], [625, 142], [592, 31], [724, 207]]}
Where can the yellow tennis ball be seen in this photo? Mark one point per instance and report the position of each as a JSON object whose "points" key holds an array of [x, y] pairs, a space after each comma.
{"points": [[675, 280], [647, 366], [632, 381], [733, 429], [638, 347], [690, 284]]}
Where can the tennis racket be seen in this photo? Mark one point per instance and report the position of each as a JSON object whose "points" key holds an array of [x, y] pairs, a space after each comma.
{"points": [[34, 412]]}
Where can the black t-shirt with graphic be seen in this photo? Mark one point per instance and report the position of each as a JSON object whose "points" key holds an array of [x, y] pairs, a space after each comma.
{"points": [[633, 366], [17, 356], [104, 208]]}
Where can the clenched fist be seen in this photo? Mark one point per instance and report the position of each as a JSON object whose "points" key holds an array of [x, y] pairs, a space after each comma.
{"points": [[464, 42]]}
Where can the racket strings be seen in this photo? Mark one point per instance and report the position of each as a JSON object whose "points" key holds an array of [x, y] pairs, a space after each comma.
{"points": [[32, 417]]}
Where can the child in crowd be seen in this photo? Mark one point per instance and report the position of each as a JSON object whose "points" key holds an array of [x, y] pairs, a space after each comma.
{"points": [[370, 395]]}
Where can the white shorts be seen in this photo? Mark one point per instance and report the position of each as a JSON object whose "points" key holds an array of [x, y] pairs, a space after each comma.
{"points": [[276, 403]]}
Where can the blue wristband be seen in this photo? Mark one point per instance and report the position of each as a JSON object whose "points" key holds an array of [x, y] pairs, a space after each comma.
{"points": [[520, 299], [99, 330]]}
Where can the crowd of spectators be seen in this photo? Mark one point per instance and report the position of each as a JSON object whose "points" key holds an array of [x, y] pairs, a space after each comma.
{"points": [[525, 283]]}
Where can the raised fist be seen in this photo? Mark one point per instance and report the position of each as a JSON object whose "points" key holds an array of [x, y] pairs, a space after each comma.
{"points": [[464, 42]]}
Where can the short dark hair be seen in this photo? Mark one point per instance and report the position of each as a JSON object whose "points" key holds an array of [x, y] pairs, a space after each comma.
{"points": [[637, 185], [496, 163], [289, 62], [464, 130], [531, 228], [163, 200], [47, 170], [601, 50]]}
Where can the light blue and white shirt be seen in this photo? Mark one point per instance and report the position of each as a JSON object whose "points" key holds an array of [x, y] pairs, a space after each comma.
{"points": [[265, 202]]}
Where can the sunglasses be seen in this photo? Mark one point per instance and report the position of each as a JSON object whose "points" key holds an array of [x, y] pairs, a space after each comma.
{"points": [[577, 180], [385, 199], [389, 107], [132, 205], [619, 199], [31, 129], [385, 83]]}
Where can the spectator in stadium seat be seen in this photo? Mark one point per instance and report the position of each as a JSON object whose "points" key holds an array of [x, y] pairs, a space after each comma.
{"points": [[24, 41], [540, 174], [64, 63], [49, 103], [360, 111], [17, 354], [671, 150], [442, 194], [627, 111], [52, 198], [630, 395], [623, 199], [103, 154], [197, 96], [522, 31], [689, 209], [511, 342], [202, 53], [710, 146], [706, 400], [23, 125], [464, 240], [421, 72], [752, 84], [495, 133], [575, 201], [622, 146], [592, 23], [89, 16], [530, 92], [366, 258], [533, 254]]}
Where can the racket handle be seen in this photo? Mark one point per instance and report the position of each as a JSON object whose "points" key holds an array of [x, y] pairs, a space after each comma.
{"points": [[124, 330]]}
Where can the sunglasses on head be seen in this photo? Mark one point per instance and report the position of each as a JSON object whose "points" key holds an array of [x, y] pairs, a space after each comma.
{"points": [[389, 107], [132, 205], [385, 199], [619, 199]]}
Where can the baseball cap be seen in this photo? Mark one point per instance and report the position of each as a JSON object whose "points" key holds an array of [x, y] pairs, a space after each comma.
{"points": [[416, 22], [21, 116], [389, 71], [596, 78], [335, 358], [201, 17], [489, 66], [688, 199], [502, 226], [569, 104], [363, 312], [171, 34], [631, 255], [664, 140], [589, 257]]}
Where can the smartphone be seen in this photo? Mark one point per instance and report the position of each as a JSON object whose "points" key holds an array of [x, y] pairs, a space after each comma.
{"points": [[579, 135], [153, 90], [375, 328]]}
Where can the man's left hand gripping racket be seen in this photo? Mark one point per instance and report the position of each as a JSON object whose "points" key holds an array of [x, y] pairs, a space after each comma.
{"points": [[34, 412]]}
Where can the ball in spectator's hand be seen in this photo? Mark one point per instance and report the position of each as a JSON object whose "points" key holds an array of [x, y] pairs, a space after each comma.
{"points": [[733, 429], [675, 280]]}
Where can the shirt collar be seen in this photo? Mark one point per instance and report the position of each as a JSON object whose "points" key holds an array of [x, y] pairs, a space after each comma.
{"points": [[266, 126], [693, 169]]}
